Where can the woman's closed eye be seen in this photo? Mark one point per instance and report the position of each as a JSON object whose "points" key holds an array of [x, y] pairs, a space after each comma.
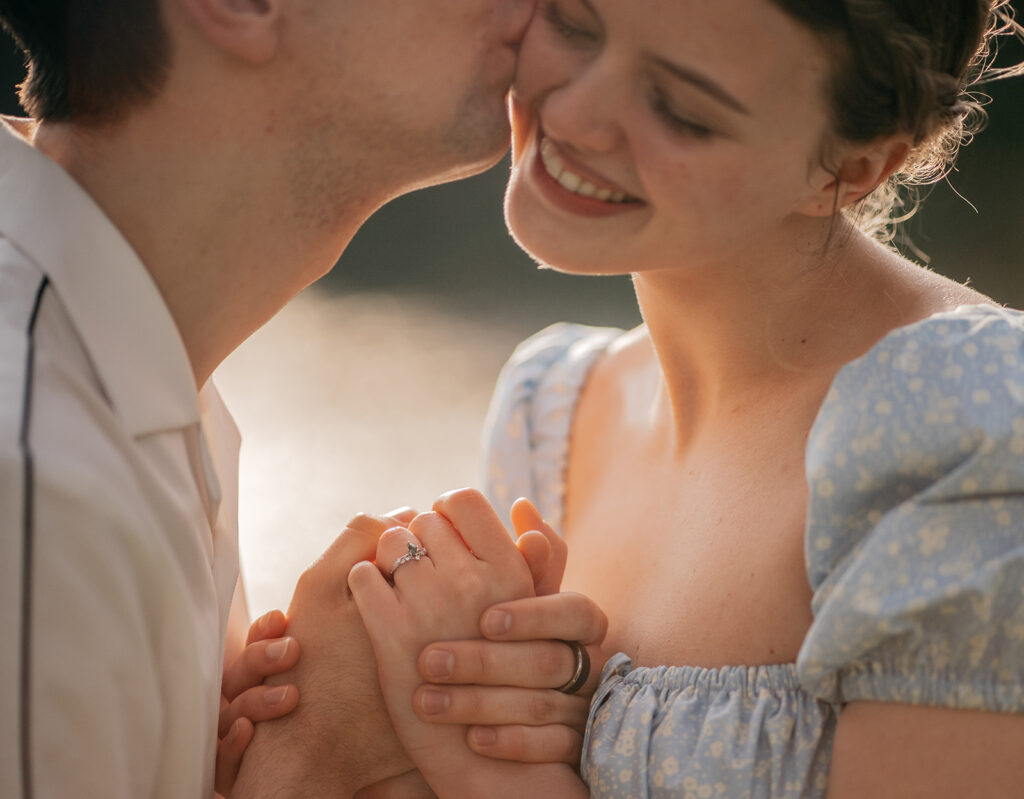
{"points": [[569, 30], [675, 121]]}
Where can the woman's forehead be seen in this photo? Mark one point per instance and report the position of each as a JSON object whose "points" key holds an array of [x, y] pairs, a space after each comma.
{"points": [[751, 47]]}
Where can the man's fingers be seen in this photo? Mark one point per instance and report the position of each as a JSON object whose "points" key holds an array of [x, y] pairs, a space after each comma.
{"points": [[566, 616], [230, 749], [257, 661], [270, 625], [526, 664], [259, 704], [499, 705], [551, 744]]}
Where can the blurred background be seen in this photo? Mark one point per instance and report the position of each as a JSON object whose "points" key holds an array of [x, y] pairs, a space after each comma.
{"points": [[369, 391]]}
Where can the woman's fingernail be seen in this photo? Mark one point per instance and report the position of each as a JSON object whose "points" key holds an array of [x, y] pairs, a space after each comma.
{"points": [[497, 622], [439, 663], [278, 649], [433, 701], [484, 736], [276, 695]]}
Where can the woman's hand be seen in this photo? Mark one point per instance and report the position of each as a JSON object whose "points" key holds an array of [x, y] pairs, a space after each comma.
{"points": [[245, 700], [503, 687], [469, 564]]}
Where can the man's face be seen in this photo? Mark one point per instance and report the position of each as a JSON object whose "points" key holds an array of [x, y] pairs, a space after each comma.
{"points": [[418, 85]]}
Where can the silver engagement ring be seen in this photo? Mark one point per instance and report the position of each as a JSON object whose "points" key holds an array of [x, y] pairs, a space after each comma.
{"points": [[415, 553]]}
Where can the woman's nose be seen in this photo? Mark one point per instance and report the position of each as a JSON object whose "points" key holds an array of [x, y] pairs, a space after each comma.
{"points": [[585, 110]]}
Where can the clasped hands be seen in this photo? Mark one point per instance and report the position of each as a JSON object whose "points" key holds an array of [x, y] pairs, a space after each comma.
{"points": [[384, 710]]}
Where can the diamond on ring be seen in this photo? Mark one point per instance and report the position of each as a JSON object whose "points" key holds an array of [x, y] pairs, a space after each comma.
{"points": [[415, 553]]}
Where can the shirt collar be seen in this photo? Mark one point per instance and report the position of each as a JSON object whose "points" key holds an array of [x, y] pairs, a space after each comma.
{"points": [[111, 298]]}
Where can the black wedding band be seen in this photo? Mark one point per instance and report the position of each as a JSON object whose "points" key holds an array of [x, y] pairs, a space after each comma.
{"points": [[582, 671]]}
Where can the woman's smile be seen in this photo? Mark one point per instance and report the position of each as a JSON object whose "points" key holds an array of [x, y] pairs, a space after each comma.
{"points": [[570, 186]]}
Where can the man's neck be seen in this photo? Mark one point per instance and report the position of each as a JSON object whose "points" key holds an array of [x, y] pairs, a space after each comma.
{"points": [[215, 218]]}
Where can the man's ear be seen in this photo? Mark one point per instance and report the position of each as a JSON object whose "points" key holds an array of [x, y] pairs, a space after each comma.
{"points": [[860, 171], [249, 30]]}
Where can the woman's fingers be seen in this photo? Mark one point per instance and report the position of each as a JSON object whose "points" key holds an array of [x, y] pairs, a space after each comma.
{"points": [[526, 664], [526, 518], [499, 705], [441, 540], [567, 617], [261, 703], [480, 527], [403, 516], [258, 661], [230, 750], [536, 551], [403, 558], [551, 744]]}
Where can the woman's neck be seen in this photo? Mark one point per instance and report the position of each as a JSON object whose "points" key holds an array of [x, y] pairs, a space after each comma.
{"points": [[729, 338]]}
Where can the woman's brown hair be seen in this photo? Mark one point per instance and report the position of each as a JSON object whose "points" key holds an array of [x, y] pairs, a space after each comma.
{"points": [[907, 67]]}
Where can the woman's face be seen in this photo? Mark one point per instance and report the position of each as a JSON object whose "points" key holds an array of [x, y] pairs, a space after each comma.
{"points": [[652, 134]]}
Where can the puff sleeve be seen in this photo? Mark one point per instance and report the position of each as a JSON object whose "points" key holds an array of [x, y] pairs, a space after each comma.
{"points": [[527, 428], [915, 529]]}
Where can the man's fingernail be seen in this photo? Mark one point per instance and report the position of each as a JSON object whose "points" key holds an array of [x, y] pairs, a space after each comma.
{"points": [[233, 732], [497, 622], [433, 701], [276, 695], [484, 736], [278, 649], [439, 663]]}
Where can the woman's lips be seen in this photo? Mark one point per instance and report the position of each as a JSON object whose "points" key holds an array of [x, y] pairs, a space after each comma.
{"points": [[570, 187], [572, 179]]}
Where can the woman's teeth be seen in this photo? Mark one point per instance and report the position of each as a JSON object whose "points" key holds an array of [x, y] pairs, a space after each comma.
{"points": [[573, 182]]}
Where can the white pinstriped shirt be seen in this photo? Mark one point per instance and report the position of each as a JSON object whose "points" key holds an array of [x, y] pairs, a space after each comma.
{"points": [[118, 511]]}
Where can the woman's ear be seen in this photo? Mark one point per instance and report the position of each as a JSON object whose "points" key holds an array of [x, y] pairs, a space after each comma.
{"points": [[249, 30], [860, 171]]}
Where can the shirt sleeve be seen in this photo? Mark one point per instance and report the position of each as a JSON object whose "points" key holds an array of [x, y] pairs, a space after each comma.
{"points": [[915, 532]]}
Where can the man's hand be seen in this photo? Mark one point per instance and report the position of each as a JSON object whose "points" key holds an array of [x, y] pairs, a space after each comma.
{"points": [[340, 738]]}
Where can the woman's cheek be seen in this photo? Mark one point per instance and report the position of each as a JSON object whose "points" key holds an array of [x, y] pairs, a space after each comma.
{"points": [[521, 119]]}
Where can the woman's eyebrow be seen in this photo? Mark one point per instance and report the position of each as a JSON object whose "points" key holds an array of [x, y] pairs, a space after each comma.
{"points": [[699, 81]]}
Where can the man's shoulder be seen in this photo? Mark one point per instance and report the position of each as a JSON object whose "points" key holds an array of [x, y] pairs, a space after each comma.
{"points": [[52, 406], [21, 287]]}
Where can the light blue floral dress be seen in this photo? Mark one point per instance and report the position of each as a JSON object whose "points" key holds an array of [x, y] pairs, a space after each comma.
{"points": [[914, 548]]}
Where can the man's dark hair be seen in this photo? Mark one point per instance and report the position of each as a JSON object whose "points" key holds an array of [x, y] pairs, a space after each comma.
{"points": [[88, 60]]}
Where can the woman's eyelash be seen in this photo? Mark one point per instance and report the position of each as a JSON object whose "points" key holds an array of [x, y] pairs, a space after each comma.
{"points": [[680, 124], [562, 26]]}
